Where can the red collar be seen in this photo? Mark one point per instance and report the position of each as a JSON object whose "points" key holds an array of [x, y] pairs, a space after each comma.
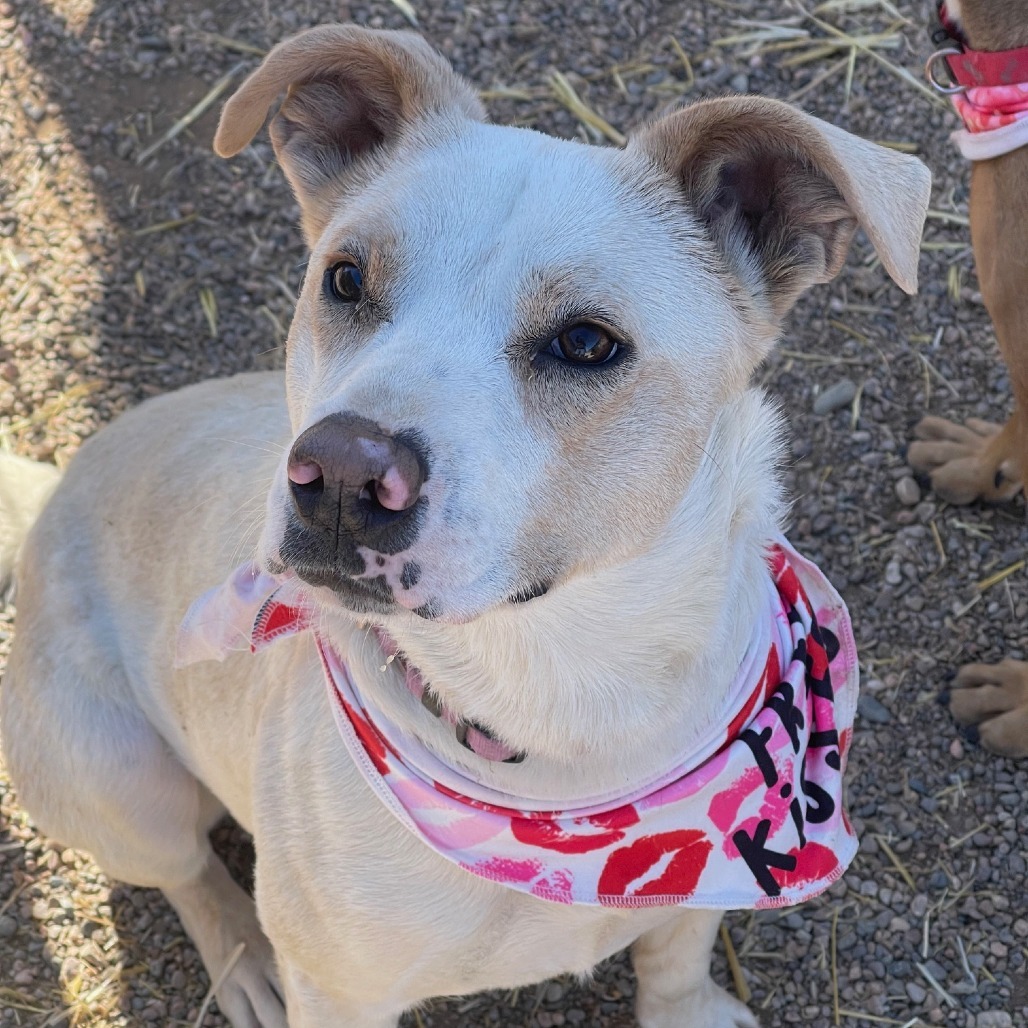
{"points": [[971, 68]]}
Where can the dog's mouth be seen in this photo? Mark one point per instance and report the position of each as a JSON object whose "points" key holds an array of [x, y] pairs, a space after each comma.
{"points": [[530, 592], [375, 595], [394, 656], [471, 735], [362, 596]]}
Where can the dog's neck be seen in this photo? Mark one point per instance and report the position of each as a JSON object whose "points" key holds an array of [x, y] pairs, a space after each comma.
{"points": [[609, 679]]}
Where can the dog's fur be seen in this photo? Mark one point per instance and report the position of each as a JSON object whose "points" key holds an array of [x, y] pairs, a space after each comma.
{"points": [[645, 492], [980, 460]]}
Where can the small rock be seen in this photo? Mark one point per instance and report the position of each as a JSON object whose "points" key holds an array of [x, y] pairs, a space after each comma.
{"points": [[916, 993], [740, 83], [908, 491], [873, 710], [554, 992], [8, 926], [956, 749], [993, 1019], [835, 396]]}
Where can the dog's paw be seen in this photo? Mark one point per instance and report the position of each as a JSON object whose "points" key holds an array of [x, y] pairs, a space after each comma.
{"points": [[222, 922], [250, 996], [976, 461], [994, 699], [706, 1007]]}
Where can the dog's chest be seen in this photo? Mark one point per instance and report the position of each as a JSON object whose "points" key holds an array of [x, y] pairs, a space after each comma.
{"points": [[342, 885]]}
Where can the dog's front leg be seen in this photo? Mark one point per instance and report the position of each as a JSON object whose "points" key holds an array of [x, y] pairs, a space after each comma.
{"points": [[672, 963], [311, 1007]]}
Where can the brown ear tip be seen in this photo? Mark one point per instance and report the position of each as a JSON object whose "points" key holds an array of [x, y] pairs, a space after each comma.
{"points": [[223, 145]]}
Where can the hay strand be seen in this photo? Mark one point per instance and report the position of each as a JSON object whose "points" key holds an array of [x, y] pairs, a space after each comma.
{"points": [[742, 989], [194, 112], [565, 94]]}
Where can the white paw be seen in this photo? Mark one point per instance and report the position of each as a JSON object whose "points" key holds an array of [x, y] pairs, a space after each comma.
{"points": [[250, 995], [708, 1006]]}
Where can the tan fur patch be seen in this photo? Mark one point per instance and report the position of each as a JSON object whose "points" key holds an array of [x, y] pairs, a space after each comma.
{"points": [[995, 24]]}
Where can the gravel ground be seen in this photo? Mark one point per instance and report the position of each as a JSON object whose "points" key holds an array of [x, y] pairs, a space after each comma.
{"points": [[122, 279]]}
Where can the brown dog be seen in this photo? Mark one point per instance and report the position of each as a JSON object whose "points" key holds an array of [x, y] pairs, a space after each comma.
{"points": [[980, 460]]}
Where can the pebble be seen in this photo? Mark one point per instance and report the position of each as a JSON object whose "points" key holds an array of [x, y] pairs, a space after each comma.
{"points": [[908, 491], [8, 927], [870, 708], [835, 396], [993, 1019], [917, 993]]}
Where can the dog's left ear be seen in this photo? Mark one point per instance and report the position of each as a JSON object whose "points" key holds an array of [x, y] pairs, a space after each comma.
{"points": [[781, 193]]}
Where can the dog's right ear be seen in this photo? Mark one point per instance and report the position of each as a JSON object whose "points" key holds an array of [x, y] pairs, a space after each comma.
{"points": [[352, 92]]}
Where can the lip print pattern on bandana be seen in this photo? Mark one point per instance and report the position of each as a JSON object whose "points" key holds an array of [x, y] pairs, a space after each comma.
{"points": [[760, 823], [591, 833], [669, 864]]}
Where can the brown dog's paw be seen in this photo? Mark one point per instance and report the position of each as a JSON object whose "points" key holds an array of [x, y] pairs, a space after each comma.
{"points": [[976, 461], [994, 698]]}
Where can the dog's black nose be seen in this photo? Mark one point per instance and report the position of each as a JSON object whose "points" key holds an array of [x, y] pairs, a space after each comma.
{"points": [[356, 485]]}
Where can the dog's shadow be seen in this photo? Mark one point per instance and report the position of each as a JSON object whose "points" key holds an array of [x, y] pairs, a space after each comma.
{"points": [[76, 949], [55, 901]]}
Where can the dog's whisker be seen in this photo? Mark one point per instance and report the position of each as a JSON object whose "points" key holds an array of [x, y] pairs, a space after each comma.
{"points": [[274, 449]]}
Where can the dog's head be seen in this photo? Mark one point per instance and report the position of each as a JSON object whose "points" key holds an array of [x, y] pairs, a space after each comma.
{"points": [[510, 349]]}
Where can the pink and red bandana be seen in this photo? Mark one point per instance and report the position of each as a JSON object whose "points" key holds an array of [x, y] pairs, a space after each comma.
{"points": [[756, 821], [995, 120], [989, 91]]}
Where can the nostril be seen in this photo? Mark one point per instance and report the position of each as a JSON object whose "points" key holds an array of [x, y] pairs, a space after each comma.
{"points": [[305, 473], [393, 491], [307, 495]]}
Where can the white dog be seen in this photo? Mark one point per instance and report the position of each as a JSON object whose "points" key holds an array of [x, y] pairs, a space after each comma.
{"points": [[520, 610]]}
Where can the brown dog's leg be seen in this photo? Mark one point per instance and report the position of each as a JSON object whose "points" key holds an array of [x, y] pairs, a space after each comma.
{"points": [[981, 461], [975, 461], [994, 697]]}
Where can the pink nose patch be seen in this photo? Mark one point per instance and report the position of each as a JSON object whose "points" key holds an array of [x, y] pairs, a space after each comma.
{"points": [[304, 474]]}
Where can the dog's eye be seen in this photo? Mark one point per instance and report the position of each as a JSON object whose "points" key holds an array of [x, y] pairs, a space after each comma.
{"points": [[584, 344], [346, 282]]}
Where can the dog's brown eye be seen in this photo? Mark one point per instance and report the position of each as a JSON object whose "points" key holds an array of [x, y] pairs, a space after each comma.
{"points": [[584, 344], [346, 282]]}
